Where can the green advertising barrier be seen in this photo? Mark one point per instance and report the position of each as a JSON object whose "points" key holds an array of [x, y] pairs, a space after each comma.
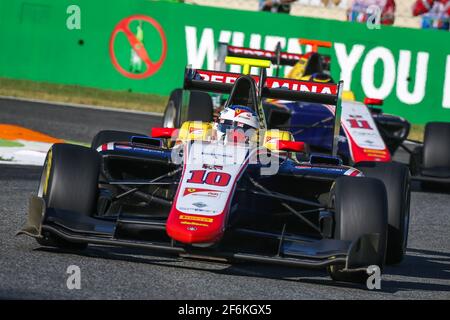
{"points": [[143, 46]]}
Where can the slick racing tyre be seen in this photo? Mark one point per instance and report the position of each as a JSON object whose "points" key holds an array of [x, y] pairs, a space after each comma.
{"points": [[200, 109], [106, 136], [69, 182], [436, 153], [436, 146], [360, 207], [396, 179]]}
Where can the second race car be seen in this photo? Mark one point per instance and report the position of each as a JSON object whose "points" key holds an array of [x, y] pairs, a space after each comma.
{"points": [[367, 133]]}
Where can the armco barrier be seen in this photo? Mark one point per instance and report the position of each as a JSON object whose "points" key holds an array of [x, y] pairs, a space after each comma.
{"points": [[90, 44]]}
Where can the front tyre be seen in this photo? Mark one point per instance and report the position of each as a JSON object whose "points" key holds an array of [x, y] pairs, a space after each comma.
{"points": [[396, 178], [360, 207], [69, 181]]}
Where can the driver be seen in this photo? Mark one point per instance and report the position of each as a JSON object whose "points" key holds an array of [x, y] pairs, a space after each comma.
{"points": [[237, 124]]}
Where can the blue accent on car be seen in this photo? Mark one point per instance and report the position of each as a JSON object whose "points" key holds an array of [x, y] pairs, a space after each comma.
{"points": [[237, 106], [158, 153], [302, 168], [312, 123]]}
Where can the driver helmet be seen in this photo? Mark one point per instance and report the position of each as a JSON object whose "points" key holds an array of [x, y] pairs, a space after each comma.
{"points": [[237, 124], [318, 77]]}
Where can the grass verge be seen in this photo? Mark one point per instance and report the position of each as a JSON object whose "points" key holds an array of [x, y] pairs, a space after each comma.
{"points": [[416, 132], [84, 144], [82, 95], [9, 143]]}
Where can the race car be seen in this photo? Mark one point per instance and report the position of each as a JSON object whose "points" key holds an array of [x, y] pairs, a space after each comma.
{"points": [[230, 189], [367, 133]]}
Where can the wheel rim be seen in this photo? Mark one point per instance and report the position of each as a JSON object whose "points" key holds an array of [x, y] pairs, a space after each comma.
{"points": [[169, 116], [45, 176]]}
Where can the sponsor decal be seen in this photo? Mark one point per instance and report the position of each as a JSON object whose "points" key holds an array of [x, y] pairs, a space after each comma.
{"points": [[201, 192], [302, 86], [324, 168], [191, 210], [122, 147], [154, 151], [242, 114], [212, 167], [199, 204], [381, 154], [238, 112], [130, 148], [215, 155], [272, 83], [194, 224], [141, 66], [195, 130], [196, 218]]}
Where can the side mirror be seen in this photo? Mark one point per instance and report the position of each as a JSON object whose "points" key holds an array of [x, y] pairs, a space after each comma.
{"points": [[373, 101], [163, 132], [294, 146]]}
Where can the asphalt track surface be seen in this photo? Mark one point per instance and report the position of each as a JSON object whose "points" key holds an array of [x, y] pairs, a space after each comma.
{"points": [[33, 272]]}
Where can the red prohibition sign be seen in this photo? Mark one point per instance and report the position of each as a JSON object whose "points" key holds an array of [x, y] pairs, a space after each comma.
{"points": [[152, 66]]}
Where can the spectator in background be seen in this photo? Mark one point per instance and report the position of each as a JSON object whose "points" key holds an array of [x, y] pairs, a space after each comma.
{"points": [[435, 13], [282, 6], [358, 10], [326, 3]]}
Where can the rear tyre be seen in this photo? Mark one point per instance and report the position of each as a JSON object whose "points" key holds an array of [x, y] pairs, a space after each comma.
{"points": [[436, 145], [200, 108], [360, 206], [436, 153], [107, 136], [397, 180], [69, 182]]}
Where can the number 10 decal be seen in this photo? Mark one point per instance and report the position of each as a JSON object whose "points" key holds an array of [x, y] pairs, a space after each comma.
{"points": [[213, 178]]}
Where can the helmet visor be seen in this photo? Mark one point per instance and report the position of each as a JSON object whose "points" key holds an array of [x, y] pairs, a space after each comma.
{"points": [[235, 131], [225, 125]]}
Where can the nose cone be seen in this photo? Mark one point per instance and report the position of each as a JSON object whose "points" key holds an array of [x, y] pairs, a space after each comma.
{"points": [[192, 229]]}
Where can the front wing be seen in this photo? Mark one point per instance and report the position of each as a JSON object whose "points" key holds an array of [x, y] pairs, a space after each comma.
{"points": [[295, 251]]}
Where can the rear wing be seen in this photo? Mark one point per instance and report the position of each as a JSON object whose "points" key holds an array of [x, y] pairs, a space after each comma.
{"points": [[272, 88], [277, 57]]}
